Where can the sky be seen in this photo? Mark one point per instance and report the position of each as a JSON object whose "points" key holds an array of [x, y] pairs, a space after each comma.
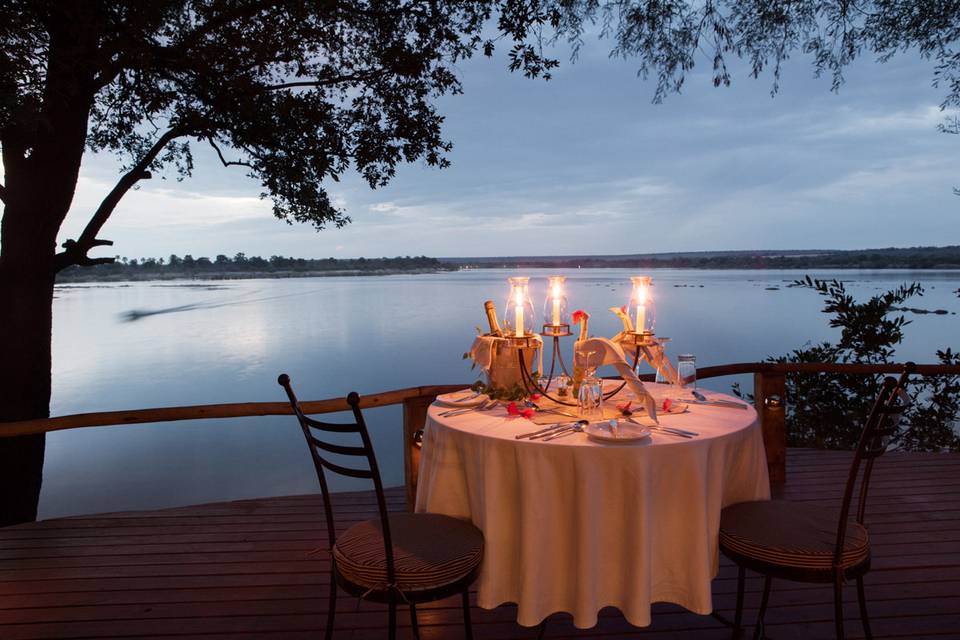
{"points": [[587, 164]]}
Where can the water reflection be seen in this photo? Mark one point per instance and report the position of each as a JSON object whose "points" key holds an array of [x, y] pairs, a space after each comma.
{"points": [[334, 335]]}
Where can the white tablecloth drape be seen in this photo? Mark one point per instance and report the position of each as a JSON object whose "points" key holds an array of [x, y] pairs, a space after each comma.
{"points": [[575, 525]]}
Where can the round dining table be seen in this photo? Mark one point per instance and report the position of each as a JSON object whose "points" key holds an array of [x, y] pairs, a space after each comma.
{"points": [[575, 525]]}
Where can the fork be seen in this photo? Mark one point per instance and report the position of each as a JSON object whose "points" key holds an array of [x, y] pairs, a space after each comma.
{"points": [[539, 409], [456, 412]]}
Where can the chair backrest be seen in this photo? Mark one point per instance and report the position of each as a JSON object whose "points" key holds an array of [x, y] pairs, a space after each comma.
{"points": [[313, 431], [881, 425]]}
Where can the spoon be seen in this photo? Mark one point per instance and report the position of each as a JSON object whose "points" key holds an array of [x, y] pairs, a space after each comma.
{"points": [[569, 431]]}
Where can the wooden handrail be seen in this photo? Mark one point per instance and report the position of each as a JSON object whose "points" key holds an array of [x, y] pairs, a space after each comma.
{"points": [[398, 396], [822, 367], [769, 391], [216, 411]]}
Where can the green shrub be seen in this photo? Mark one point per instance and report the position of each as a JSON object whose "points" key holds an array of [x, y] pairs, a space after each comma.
{"points": [[827, 410]]}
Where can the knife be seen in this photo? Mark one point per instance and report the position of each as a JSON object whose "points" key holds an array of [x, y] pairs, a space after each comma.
{"points": [[713, 403], [673, 430], [558, 425]]}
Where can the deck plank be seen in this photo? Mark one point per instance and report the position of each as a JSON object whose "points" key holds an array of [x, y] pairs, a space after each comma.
{"points": [[245, 570]]}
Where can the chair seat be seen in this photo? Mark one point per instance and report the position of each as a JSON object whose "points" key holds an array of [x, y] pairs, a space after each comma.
{"points": [[429, 551], [790, 534]]}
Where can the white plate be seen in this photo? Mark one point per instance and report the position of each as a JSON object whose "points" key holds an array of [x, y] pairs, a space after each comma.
{"points": [[465, 398], [628, 432]]}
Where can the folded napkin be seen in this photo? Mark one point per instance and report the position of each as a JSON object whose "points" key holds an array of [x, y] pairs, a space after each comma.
{"points": [[484, 347], [481, 351], [595, 352], [654, 355]]}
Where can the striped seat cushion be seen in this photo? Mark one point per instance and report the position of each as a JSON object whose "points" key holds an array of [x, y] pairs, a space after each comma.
{"points": [[790, 534], [429, 550]]}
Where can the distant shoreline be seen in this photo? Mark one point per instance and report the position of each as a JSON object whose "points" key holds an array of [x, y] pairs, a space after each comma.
{"points": [[921, 258], [241, 267], [81, 278]]}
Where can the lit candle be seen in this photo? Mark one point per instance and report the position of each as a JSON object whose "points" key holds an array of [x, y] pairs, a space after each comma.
{"points": [[641, 307], [519, 312], [556, 304]]}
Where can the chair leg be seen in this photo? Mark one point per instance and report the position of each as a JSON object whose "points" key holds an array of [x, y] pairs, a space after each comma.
{"points": [[543, 629], [413, 621], [467, 624], [864, 618], [392, 621], [738, 616], [758, 631], [331, 607], [838, 604]]}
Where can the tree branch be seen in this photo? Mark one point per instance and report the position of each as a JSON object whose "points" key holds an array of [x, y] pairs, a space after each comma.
{"points": [[75, 251], [228, 163], [111, 67], [367, 75]]}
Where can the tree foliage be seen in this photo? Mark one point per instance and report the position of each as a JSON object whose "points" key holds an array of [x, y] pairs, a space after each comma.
{"points": [[293, 92], [297, 92], [827, 411], [669, 37]]}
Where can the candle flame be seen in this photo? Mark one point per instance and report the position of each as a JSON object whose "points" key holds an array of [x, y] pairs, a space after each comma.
{"points": [[557, 293], [640, 293]]}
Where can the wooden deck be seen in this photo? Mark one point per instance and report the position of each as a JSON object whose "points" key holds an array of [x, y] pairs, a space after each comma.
{"points": [[244, 570]]}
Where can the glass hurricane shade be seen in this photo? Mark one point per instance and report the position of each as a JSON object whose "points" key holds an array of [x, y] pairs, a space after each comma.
{"points": [[555, 306], [641, 309], [518, 317]]}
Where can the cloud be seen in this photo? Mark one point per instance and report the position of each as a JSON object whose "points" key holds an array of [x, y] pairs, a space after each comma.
{"points": [[586, 164], [870, 122]]}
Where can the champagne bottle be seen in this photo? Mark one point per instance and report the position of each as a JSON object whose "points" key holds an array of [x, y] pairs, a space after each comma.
{"points": [[578, 372], [491, 310]]}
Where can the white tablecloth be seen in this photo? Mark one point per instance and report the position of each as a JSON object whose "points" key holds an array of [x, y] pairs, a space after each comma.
{"points": [[575, 525]]}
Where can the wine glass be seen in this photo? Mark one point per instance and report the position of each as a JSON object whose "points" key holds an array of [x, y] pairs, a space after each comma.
{"points": [[662, 377], [687, 372], [590, 398]]}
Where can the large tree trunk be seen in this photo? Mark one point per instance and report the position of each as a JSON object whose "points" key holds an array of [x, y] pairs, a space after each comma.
{"points": [[26, 299], [42, 151]]}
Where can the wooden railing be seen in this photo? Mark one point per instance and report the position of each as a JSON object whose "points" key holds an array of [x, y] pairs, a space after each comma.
{"points": [[769, 392]]}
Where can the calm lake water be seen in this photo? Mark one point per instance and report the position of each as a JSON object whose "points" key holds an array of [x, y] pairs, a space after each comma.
{"points": [[226, 341]]}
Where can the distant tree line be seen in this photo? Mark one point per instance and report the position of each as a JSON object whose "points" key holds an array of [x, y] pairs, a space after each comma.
{"points": [[890, 258], [241, 265]]}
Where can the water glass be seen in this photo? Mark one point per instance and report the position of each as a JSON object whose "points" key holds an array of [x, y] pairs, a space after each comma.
{"points": [[590, 399], [687, 371], [561, 385]]}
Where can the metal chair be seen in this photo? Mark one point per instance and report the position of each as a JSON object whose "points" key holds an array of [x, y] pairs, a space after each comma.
{"points": [[808, 543], [396, 558]]}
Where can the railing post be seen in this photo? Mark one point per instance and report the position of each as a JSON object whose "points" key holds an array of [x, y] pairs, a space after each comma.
{"points": [[770, 390], [414, 417]]}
